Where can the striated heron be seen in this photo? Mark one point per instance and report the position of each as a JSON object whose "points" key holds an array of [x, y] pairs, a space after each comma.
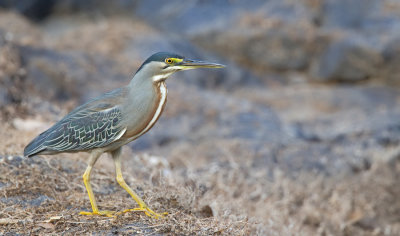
{"points": [[114, 119]]}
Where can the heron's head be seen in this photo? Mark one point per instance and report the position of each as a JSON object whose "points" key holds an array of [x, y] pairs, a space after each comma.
{"points": [[162, 64]]}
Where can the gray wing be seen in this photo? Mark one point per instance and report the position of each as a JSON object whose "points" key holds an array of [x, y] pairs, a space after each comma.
{"points": [[87, 127], [86, 130]]}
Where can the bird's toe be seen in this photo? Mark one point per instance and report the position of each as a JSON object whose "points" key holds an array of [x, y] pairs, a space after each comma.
{"points": [[147, 211], [99, 213]]}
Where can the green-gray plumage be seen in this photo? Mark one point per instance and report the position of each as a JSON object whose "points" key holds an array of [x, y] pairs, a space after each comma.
{"points": [[92, 125], [108, 122]]}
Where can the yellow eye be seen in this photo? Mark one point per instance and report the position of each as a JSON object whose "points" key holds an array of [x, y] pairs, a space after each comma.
{"points": [[168, 61]]}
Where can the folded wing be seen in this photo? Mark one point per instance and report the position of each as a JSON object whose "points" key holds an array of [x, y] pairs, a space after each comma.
{"points": [[87, 127]]}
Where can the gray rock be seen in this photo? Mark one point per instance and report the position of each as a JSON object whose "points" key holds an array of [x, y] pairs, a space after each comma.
{"points": [[39, 10], [258, 35], [348, 13], [278, 48], [191, 16], [349, 58], [68, 75], [12, 76], [284, 36], [34, 9], [391, 55]]}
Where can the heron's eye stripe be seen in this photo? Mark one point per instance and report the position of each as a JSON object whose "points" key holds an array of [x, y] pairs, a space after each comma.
{"points": [[172, 60]]}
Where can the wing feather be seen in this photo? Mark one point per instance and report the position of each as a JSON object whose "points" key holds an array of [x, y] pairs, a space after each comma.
{"points": [[95, 124], [85, 131]]}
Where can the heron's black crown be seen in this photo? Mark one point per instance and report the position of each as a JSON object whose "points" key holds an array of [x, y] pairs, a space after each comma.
{"points": [[161, 56]]}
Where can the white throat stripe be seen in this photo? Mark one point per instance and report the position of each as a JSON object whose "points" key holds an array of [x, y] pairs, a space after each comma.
{"points": [[158, 78]]}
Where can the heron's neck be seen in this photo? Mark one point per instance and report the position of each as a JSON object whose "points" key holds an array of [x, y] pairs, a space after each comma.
{"points": [[150, 73], [146, 82]]}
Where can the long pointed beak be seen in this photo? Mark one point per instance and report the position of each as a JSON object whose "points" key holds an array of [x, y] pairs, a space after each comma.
{"points": [[187, 64]]}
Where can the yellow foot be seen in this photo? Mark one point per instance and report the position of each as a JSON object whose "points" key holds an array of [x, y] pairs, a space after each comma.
{"points": [[99, 213], [147, 211]]}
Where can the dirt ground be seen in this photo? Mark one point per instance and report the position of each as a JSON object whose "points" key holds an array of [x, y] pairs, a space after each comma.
{"points": [[43, 195]]}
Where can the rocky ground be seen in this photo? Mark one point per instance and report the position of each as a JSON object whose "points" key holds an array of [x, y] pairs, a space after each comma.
{"points": [[298, 135]]}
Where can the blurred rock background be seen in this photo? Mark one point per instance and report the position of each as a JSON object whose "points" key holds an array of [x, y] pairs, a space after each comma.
{"points": [[307, 109]]}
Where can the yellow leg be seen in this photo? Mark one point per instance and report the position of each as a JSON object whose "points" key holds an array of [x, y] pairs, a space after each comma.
{"points": [[120, 179], [86, 179]]}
